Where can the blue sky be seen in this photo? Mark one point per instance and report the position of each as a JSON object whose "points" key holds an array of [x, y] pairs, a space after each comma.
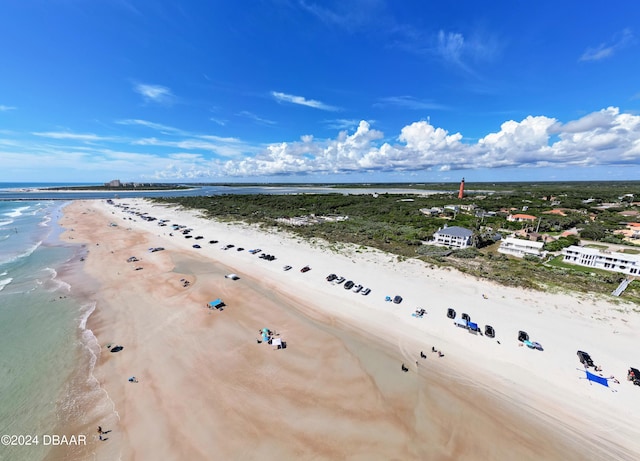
{"points": [[319, 91]]}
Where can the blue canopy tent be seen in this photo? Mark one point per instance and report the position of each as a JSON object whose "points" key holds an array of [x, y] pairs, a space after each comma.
{"points": [[596, 379], [472, 326], [216, 304]]}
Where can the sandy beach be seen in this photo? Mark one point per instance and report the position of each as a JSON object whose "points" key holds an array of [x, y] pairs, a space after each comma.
{"points": [[208, 390]]}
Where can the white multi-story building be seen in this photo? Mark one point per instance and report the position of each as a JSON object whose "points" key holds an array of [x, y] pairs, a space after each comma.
{"points": [[454, 236], [518, 247], [602, 259]]}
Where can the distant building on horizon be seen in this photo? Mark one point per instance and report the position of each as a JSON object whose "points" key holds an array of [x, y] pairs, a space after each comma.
{"points": [[114, 183]]}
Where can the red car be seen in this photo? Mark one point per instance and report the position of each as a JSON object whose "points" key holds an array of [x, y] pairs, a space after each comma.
{"points": [[305, 269]]}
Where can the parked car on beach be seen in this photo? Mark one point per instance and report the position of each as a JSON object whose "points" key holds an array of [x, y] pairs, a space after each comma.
{"points": [[331, 277], [357, 288], [366, 291], [397, 299], [286, 268], [305, 269], [339, 280], [349, 285]]}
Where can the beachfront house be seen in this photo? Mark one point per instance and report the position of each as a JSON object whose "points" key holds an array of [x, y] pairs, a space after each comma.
{"points": [[521, 218], [433, 211], [454, 236], [520, 248], [626, 263]]}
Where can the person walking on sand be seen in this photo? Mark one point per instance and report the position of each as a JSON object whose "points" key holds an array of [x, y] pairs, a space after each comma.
{"points": [[100, 432]]}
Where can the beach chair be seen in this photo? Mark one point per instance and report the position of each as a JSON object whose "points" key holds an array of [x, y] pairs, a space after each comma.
{"points": [[489, 331]]}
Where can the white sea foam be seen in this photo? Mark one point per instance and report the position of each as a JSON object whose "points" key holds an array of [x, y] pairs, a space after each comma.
{"points": [[58, 284], [89, 340], [5, 282], [5, 222], [25, 254], [16, 212], [45, 222], [86, 312], [38, 208], [92, 345]]}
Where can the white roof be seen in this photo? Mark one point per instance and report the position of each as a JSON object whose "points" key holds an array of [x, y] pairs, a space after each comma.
{"points": [[522, 242]]}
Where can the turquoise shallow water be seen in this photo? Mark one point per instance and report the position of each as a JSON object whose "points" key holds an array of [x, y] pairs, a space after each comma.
{"points": [[41, 338]]}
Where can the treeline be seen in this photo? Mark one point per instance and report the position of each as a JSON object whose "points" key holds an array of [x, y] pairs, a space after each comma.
{"points": [[385, 222]]}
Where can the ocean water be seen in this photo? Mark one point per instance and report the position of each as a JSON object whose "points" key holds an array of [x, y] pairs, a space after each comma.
{"points": [[46, 358]]}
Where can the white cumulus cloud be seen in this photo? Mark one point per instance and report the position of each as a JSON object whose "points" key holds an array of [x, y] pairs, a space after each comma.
{"points": [[302, 101], [154, 93], [607, 137]]}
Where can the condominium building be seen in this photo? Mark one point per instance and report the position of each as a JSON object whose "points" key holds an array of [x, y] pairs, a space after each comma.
{"points": [[602, 259]]}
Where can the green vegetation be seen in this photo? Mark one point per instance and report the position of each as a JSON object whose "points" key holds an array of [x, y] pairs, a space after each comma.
{"points": [[395, 223], [562, 242]]}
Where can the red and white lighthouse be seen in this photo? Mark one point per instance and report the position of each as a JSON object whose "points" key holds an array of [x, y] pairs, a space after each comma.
{"points": [[461, 191]]}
